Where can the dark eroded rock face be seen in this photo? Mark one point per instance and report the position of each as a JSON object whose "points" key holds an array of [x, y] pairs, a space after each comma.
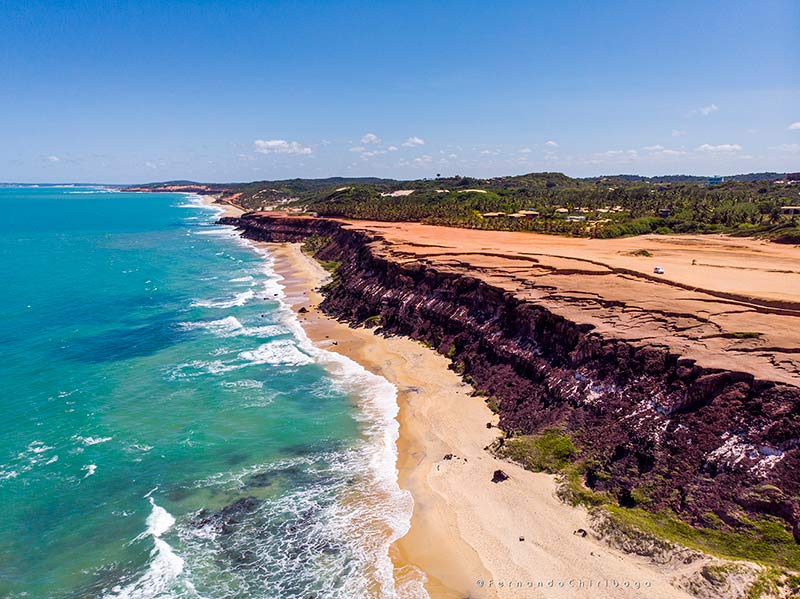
{"points": [[659, 431]]}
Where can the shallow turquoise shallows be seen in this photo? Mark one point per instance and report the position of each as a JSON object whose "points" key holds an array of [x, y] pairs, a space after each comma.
{"points": [[167, 430]]}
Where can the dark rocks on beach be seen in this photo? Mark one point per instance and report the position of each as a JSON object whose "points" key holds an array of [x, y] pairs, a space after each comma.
{"points": [[499, 476], [580, 532], [448, 456], [303, 310]]}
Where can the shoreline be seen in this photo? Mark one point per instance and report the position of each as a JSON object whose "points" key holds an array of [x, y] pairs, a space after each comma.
{"points": [[464, 528], [227, 208]]}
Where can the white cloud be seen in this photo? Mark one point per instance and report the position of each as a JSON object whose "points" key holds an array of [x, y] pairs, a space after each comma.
{"points": [[423, 160], [414, 141], [704, 111], [490, 152], [53, 159], [357, 149], [525, 151], [655, 148], [678, 133], [794, 126], [372, 153], [280, 146], [551, 143], [392, 148], [725, 148], [788, 148], [370, 138], [150, 165]]}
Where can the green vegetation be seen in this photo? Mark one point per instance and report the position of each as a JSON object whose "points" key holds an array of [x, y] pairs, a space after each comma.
{"points": [[643, 253], [745, 335], [330, 265], [314, 243], [772, 582], [549, 451], [374, 320], [765, 541], [747, 205]]}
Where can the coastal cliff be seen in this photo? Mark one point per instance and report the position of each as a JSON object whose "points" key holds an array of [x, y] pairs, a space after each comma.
{"points": [[655, 429]]}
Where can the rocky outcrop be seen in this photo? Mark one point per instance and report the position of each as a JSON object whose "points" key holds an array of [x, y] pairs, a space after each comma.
{"points": [[657, 430]]}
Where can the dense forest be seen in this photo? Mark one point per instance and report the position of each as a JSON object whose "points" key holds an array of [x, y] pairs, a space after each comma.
{"points": [[615, 206]]}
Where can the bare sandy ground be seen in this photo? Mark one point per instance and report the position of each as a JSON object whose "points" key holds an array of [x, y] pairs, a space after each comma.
{"points": [[469, 535], [731, 303]]}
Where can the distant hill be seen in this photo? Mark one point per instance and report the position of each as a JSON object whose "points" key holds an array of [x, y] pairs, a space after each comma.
{"points": [[692, 178]]}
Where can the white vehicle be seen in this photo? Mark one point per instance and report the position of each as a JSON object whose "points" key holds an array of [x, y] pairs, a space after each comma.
{"points": [[658, 270]]}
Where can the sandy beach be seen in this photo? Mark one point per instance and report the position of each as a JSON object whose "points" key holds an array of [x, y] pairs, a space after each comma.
{"points": [[229, 209], [470, 537]]}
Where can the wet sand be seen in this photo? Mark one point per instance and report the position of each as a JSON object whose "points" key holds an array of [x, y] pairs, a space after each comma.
{"points": [[464, 528]]}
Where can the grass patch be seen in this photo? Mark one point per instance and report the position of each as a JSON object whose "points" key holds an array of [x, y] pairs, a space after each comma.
{"points": [[771, 582], [330, 265], [373, 320], [550, 451], [314, 243], [745, 335], [643, 253], [493, 404], [764, 541]]}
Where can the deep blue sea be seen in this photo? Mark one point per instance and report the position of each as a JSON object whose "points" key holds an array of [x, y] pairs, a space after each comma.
{"points": [[166, 428]]}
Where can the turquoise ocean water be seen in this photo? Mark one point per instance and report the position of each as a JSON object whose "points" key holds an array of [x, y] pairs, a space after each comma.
{"points": [[167, 430]]}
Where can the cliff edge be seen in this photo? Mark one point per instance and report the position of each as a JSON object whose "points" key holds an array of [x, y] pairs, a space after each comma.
{"points": [[678, 397]]}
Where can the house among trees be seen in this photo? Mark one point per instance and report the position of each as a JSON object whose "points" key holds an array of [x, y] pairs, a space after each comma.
{"points": [[715, 180], [790, 210], [793, 177], [664, 212]]}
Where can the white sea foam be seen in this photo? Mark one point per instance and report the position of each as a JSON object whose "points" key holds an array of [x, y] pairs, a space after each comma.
{"points": [[88, 441], [283, 351], [89, 469], [334, 543], [240, 299], [165, 567], [377, 413], [231, 327], [246, 279], [244, 384]]}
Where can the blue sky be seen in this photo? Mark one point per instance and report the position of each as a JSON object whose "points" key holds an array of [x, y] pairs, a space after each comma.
{"points": [[238, 91]]}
